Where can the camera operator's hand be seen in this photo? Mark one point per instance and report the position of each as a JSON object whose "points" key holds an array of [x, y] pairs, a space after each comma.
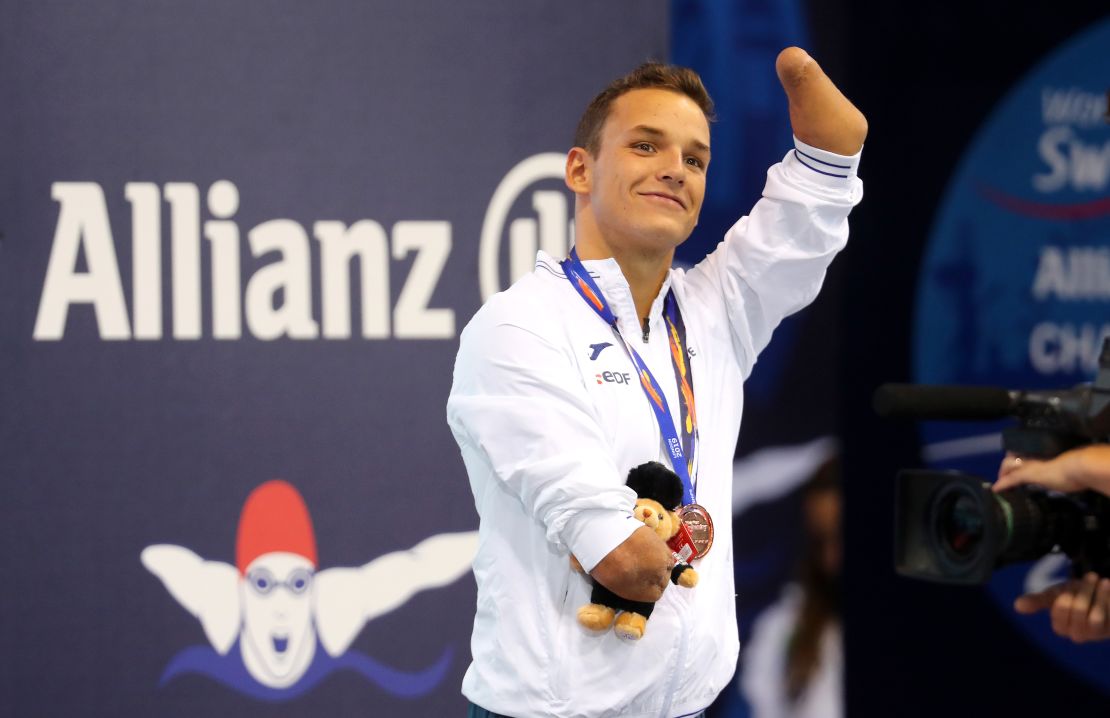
{"points": [[1080, 609], [1087, 467]]}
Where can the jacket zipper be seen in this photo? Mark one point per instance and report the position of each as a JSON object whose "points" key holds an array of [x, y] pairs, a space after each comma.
{"points": [[647, 329]]}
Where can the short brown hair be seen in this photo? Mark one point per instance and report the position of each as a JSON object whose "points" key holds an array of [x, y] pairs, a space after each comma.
{"points": [[648, 75]]}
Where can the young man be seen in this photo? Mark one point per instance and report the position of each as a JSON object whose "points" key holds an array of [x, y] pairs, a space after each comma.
{"points": [[591, 366]]}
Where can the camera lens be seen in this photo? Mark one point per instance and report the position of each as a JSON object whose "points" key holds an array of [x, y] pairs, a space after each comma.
{"points": [[960, 525], [957, 527]]}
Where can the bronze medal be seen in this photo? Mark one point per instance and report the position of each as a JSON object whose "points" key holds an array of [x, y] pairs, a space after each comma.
{"points": [[697, 521]]}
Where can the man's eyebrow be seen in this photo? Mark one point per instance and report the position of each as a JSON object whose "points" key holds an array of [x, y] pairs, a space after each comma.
{"points": [[648, 130], [656, 132]]}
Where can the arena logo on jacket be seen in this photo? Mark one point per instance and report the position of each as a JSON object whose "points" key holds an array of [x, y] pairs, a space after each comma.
{"points": [[1015, 287], [277, 625]]}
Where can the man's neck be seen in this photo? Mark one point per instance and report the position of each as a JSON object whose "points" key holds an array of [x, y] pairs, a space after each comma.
{"points": [[644, 271]]}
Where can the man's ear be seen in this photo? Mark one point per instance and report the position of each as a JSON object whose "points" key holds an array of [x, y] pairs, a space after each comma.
{"points": [[579, 170]]}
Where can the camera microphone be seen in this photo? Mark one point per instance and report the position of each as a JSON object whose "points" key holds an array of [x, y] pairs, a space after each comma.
{"points": [[944, 403], [1083, 410]]}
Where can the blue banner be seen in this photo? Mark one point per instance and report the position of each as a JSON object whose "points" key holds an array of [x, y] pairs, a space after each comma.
{"points": [[1015, 286], [239, 242]]}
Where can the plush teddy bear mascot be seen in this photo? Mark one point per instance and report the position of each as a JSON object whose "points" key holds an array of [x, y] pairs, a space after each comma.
{"points": [[659, 492]]}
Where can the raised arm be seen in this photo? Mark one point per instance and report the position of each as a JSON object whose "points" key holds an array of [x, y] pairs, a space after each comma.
{"points": [[820, 114], [773, 262]]}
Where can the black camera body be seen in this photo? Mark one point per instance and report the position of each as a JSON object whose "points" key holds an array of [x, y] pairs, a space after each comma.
{"points": [[950, 527]]}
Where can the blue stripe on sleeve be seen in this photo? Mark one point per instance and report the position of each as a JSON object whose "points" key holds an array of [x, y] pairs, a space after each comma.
{"points": [[830, 164], [799, 155]]}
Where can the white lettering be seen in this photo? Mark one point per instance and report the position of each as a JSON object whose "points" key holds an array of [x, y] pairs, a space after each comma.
{"points": [[268, 317], [223, 236], [82, 225], [184, 200], [1050, 151], [338, 245], [432, 243], [1073, 274], [1072, 106], [146, 258], [277, 299], [1071, 161], [1050, 278], [1065, 347], [1090, 166]]}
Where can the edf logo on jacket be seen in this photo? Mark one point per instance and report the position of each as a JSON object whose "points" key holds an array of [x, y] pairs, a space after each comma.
{"points": [[277, 624]]}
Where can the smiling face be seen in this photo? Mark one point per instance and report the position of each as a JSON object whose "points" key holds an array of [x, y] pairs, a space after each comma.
{"points": [[642, 190], [278, 638]]}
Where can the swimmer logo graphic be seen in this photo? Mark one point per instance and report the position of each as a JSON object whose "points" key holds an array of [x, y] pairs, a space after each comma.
{"points": [[276, 624]]}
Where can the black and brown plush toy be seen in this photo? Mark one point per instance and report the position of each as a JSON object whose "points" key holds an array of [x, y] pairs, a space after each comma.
{"points": [[659, 492]]}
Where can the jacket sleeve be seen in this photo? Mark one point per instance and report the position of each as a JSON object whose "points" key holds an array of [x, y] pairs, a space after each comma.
{"points": [[772, 263], [524, 422]]}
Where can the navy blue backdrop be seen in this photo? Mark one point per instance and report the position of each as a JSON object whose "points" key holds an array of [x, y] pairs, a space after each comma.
{"points": [[239, 242]]}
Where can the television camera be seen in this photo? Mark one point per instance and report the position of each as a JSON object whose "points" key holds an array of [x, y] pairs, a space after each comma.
{"points": [[951, 528]]}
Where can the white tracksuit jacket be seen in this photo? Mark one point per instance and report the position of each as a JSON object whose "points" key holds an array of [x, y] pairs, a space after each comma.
{"points": [[549, 426]]}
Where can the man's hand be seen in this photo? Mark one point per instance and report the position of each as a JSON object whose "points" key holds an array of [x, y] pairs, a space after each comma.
{"points": [[1087, 467], [820, 115], [639, 569], [1080, 609]]}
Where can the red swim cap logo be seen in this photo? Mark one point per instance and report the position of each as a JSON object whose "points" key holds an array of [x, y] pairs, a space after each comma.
{"points": [[274, 518]]}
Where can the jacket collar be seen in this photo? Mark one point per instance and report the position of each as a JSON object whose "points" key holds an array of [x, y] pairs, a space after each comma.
{"points": [[607, 273]]}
